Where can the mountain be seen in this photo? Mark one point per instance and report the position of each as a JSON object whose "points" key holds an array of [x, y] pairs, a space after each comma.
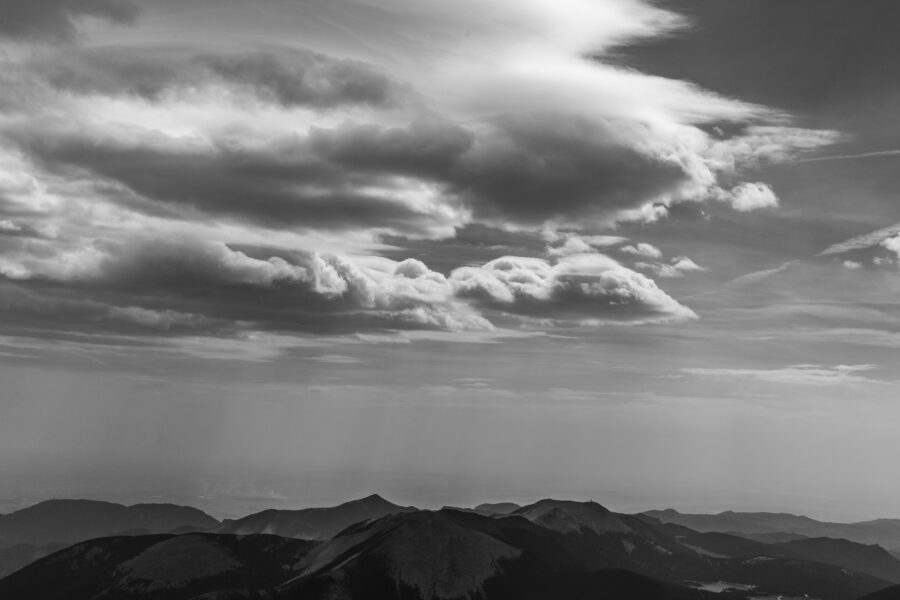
{"points": [[547, 550], [450, 555], [70, 521], [891, 593], [884, 532], [312, 523], [497, 508], [870, 559], [567, 516], [156, 567], [460, 554], [15, 557]]}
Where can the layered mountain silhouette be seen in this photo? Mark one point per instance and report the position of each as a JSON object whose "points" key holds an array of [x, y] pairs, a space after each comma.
{"points": [[36, 531], [170, 567], [57, 521], [774, 527], [374, 549], [313, 523], [497, 508]]}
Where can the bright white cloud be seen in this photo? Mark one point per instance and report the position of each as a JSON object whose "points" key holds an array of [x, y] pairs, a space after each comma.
{"points": [[588, 287], [892, 244], [751, 196], [643, 249]]}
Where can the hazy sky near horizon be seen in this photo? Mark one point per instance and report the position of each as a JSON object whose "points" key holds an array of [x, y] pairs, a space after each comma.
{"points": [[306, 250]]}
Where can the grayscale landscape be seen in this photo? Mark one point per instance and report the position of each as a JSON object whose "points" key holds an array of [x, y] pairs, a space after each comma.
{"points": [[449, 299]]}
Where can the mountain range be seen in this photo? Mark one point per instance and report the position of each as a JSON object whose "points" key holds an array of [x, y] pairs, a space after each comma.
{"points": [[764, 525], [374, 549]]}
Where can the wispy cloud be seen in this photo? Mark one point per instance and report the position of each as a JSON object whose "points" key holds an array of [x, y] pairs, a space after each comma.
{"points": [[794, 374], [849, 156]]}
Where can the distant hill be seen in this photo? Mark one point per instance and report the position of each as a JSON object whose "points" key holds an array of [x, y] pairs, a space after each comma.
{"points": [[313, 523], [15, 557], [498, 508], [871, 559], [70, 521], [884, 532], [160, 567]]}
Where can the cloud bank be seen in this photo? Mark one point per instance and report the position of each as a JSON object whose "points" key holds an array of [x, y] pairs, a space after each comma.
{"points": [[223, 184]]}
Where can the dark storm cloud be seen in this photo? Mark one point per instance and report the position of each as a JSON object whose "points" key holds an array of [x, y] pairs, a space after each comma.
{"points": [[284, 184], [55, 20], [182, 284], [558, 167], [427, 148], [289, 78], [524, 173]]}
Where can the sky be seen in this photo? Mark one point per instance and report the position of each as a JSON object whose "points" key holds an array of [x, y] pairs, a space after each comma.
{"points": [[291, 252]]}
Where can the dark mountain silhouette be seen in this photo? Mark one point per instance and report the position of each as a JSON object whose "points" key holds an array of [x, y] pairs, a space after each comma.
{"points": [[70, 521], [160, 567], [884, 532], [547, 550], [449, 555], [313, 523], [870, 559], [891, 593], [15, 557], [498, 508], [773, 538]]}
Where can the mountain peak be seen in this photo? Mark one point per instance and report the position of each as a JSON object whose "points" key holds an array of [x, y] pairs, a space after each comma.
{"points": [[371, 499], [568, 516]]}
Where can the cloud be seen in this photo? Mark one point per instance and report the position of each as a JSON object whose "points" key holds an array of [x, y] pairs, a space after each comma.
{"points": [[298, 77], [586, 287], [851, 265], [795, 374], [224, 185], [285, 181], [336, 359], [866, 240], [751, 196], [55, 20], [411, 151], [643, 249], [181, 282], [892, 244], [579, 244], [685, 264], [678, 267], [757, 276]]}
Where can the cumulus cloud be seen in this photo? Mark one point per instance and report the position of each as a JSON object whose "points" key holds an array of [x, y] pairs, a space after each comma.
{"points": [[585, 287], [851, 265], [56, 20], [567, 244], [751, 196], [892, 244], [643, 249], [677, 268]]}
